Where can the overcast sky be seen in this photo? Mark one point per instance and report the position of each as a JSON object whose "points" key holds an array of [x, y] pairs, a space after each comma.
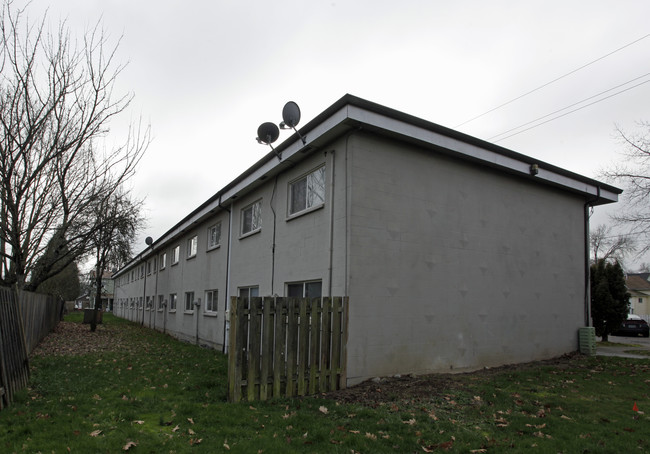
{"points": [[205, 74]]}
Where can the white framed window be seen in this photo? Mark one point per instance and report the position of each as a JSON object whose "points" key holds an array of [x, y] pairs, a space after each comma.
{"points": [[211, 299], [176, 254], [147, 303], [214, 236], [161, 302], [306, 289], [192, 246], [249, 292], [189, 301], [148, 267], [251, 218], [307, 192], [172, 302], [163, 260]]}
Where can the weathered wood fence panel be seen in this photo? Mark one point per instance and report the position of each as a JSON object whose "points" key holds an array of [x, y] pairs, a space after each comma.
{"points": [[40, 315], [284, 347], [25, 318]]}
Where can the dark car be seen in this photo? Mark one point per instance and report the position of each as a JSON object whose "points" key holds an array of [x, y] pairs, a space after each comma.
{"points": [[633, 326]]}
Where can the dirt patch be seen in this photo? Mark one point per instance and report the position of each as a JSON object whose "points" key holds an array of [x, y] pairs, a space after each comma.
{"points": [[71, 339], [379, 391]]}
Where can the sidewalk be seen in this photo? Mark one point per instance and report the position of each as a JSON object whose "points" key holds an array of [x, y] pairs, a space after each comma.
{"points": [[627, 348]]}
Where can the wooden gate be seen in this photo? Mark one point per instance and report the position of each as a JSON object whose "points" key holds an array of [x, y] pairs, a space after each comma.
{"points": [[285, 347]]}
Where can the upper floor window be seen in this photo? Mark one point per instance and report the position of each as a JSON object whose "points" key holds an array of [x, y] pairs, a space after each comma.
{"points": [[163, 260], [307, 192], [251, 218], [149, 267], [214, 236], [176, 254], [192, 245]]}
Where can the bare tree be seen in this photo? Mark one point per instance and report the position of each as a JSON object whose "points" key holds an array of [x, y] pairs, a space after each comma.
{"points": [[605, 245], [56, 103], [634, 175], [117, 220]]}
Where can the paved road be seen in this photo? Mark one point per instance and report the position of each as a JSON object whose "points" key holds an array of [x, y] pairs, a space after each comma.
{"points": [[643, 343]]}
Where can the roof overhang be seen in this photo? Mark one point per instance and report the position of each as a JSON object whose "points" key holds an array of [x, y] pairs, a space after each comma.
{"points": [[352, 113]]}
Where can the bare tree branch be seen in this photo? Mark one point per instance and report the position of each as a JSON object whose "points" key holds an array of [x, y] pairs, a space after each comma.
{"points": [[56, 104]]}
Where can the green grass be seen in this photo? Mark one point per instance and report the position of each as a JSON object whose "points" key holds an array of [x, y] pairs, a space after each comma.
{"points": [[166, 396]]}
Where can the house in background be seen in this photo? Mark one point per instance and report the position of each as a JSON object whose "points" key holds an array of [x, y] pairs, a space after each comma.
{"points": [[455, 253], [639, 287]]}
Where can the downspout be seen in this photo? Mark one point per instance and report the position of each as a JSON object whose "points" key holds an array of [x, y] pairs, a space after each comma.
{"points": [[331, 236], [226, 307], [588, 204], [275, 185], [144, 289], [155, 295]]}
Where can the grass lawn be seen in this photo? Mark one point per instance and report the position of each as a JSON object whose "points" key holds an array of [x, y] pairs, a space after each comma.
{"points": [[126, 388]]}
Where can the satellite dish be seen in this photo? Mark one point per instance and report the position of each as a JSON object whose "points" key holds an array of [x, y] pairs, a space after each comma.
{"points": [[291, 114], [148, 240], [268, 133]]}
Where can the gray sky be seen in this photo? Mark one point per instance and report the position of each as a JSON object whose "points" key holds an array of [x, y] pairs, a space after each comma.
{"points": [[205, 74]]}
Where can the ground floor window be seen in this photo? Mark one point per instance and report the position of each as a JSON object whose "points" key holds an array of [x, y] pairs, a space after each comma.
{"points": [[211, 298], [249, 292], [161, 302], [172, 302], [306, 289], [189, 301]]}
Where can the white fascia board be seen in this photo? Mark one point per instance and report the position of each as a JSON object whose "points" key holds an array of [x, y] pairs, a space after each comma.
{"points": [[475, 153]]}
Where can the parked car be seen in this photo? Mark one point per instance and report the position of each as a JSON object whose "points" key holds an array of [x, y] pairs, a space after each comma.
{"points": [[633, 326]]}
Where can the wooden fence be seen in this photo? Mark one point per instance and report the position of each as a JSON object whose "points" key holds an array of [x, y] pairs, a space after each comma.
{"points": [[25, 318], [284, 347]]}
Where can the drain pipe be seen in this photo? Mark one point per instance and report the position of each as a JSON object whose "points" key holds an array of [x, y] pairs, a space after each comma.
{"points": [[588, 204], [331, 235], [226, 308]]}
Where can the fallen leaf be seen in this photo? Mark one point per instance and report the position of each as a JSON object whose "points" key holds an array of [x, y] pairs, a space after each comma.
{"points": [[323, 409], [176, 428], [410, 422], [95, 433], [129, 445], [191, 421], [195, 441], [138, 422], [371, 436], [191, 432]]}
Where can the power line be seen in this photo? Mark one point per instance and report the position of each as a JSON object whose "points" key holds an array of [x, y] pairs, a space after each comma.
{"points": [[573, 105], [572, 111], [552, 81]]}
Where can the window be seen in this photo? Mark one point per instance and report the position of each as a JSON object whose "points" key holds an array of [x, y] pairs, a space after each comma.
{"points": [[211, 298], [176, 255], [307, 192], [251, 218], [640, 300], [141, 271], [214, 236], [189, 301], [161, 302], [192, 245], [309, 289], [172, 302], [249, 292], [163, 260], [148, 303], [132, 275], [149, 267]]}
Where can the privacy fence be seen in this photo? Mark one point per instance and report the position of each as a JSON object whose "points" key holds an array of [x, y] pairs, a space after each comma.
{"points": [[25, 318], [284, 347]]}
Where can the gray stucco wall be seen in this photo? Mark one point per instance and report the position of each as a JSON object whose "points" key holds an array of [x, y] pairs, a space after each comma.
{"points": [[456, 266]]}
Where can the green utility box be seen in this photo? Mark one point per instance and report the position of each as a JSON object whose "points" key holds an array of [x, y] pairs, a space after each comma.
{"points": [[587, 340]]}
